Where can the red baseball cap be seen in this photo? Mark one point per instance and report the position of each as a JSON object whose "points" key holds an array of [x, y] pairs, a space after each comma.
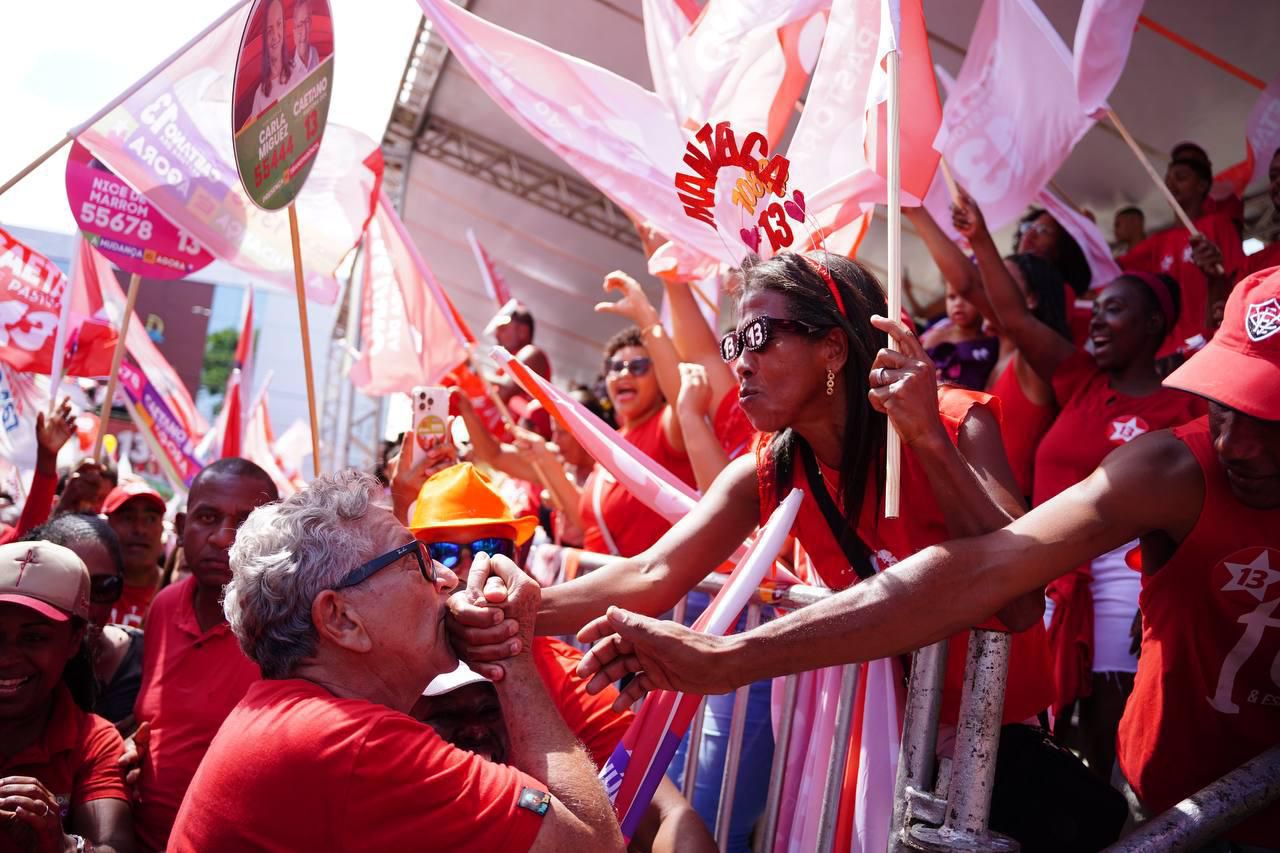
{"points": [[1240, 366], [127, 491]]}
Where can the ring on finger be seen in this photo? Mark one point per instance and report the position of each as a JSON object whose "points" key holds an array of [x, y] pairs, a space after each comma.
{"points": [[880, 377]]}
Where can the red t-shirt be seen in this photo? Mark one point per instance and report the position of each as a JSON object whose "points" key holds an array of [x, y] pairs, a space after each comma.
{"points": [[732, 427], [1207, 694], [1022, 426], [1265, 258], [190, 682], [131, 609], [77, 759], [296, 768], [633, 526], [36, 509], [1095, 419], [891, 540], [591, 718], [1169, 252]]}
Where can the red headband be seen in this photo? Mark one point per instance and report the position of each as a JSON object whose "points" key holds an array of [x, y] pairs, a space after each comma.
{"points": [[1158, 289], [821, 270]]}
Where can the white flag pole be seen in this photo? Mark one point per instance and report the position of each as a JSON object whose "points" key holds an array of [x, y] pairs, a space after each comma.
{"points": [[121, 98], [893, 442]]}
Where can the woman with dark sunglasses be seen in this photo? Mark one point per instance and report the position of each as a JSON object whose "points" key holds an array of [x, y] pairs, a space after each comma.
{"points": [[114, 650], [816, 377]]}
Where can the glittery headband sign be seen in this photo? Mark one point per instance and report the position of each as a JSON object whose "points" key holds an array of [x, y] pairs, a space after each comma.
{"points": [[763, 185]]}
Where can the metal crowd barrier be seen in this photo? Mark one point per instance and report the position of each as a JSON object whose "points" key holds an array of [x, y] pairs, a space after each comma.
{"points": [[945, 806]]}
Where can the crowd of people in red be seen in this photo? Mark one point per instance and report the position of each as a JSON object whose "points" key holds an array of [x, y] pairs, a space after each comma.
{"points": [[1104, 484]]}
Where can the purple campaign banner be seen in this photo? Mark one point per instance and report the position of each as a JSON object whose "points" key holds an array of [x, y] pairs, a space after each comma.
{"points": [[157, 422]]}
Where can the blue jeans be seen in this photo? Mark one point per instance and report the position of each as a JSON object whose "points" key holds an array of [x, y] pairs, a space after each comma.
{"points": [[754, 764]]}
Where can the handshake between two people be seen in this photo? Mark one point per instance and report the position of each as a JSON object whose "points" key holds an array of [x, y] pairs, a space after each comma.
{"points": [[492, 620]]}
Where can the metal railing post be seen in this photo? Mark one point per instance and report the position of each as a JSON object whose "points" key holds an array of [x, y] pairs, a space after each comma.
{"points": [[918, 759], [781, 750], [1212, 810], [839, 756], [733, 754], [973, 767]]}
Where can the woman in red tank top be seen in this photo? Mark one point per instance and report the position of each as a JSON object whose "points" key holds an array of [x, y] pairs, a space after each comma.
{"points": [[1105, 399], [813, 369]]}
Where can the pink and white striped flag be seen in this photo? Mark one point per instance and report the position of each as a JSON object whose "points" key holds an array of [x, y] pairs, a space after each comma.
{"points": [[494, 284], [632, 773], [411, 335], [1004, 139], [1104, 33], [171, 141]]}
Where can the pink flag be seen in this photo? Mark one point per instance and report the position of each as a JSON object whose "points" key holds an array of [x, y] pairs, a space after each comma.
{"points": [[621, 137], [644, 478], [1103, 35], [410, 334], [171, 140], [97, 281], [171, 444], [1085, 231], [632, 773], [1261, 139], [1003, 138], [494, 285]]}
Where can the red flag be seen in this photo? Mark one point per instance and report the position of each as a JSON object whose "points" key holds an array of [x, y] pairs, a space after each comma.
{"points": [[494, 285], [234, 413], [32, 290]]}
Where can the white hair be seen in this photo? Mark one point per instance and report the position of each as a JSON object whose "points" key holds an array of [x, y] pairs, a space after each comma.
{"points": [[287, 553]]}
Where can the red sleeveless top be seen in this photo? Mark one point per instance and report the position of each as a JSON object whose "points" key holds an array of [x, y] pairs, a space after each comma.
{"points": [[1023, 424], [921, 524], [1207, 694], [633, 526]]}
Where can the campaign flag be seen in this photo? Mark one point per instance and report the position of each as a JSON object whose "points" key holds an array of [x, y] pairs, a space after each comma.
{"points": [[171, 141], [1261, 139], [632, 773], [172, 444], [234, 415], [258, 445], [621, 137], [1002, 138], [494, 285], [1085, 231], [1104, 33], [94, 278], [32, 294], [408, 327]]}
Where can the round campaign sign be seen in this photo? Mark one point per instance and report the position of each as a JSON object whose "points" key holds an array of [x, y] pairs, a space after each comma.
{"points": [[124, 225], [284, 76]]}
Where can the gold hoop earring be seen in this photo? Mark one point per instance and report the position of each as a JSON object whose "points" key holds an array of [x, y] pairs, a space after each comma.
{"points": [[831, 383]]}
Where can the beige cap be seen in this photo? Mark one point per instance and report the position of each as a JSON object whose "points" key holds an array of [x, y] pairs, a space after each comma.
{"points": [[47, 578]]}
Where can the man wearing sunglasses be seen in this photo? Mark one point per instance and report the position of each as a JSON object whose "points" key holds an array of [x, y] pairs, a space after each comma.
{"points": [[343, 610], [459, 516]]}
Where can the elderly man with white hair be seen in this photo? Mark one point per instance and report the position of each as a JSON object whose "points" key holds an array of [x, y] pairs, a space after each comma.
{"points": [[343, 611]]}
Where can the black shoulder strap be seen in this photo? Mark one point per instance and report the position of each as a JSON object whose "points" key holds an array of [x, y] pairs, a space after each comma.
{"points": [[836, 522]]}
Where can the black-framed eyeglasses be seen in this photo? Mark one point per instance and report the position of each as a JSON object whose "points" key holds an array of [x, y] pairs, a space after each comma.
{"points": [[364, 571], [755, 334], [448, 554], [106, 589], [635, 366]]}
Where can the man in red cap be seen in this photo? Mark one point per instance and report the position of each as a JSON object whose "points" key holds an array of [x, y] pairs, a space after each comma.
{"points": [[135, 512], [1204, 500]]}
